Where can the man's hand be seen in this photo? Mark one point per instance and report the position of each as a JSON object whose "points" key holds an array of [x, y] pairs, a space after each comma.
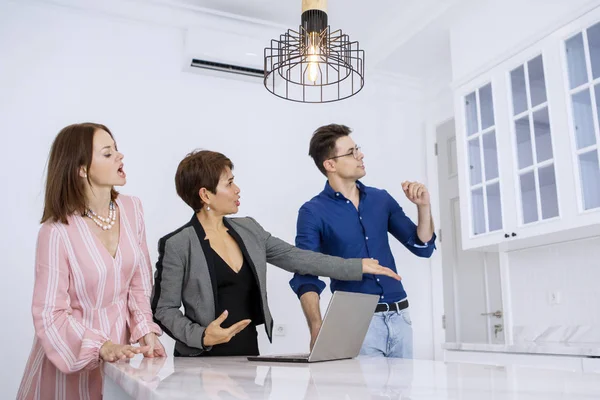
{"points": [[371, 266], [416, 192]]}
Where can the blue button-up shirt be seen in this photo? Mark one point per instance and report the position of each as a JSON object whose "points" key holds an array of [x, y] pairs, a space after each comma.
{"points": [[329, 223]]}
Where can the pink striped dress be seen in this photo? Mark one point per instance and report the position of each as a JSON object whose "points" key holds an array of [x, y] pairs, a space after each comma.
{"points": [[83, 297]]}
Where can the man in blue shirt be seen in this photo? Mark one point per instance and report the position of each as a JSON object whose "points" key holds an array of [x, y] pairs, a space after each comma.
{"points": [[351, 220]]}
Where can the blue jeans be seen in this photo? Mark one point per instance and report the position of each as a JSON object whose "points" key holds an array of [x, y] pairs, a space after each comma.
{"points": [[390, 335]]}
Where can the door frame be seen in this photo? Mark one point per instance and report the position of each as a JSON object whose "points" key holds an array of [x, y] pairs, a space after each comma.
{"points": [[437, 285]]}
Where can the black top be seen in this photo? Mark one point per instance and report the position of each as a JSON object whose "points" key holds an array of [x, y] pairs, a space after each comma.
{"points": [[238, 293]]}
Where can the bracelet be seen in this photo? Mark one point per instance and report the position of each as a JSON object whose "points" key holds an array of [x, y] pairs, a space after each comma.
{"points": [[202, 340]]}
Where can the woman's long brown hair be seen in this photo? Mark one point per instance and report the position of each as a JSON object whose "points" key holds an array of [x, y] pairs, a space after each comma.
{"points": [[65, 189]]}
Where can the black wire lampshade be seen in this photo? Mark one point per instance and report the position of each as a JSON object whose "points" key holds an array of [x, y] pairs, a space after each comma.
{"points": [[314, 65]]}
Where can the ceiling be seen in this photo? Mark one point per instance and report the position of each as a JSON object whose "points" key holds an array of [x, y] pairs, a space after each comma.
{"points": [[287, 12], [425, 55], [400, 37]]}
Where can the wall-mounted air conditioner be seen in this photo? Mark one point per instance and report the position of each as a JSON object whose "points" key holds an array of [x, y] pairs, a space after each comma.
{"points": [[224, 54]]}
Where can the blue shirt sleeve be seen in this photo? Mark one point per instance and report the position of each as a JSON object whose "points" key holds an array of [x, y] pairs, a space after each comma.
{"points": [[308, 237], [405, 230]]}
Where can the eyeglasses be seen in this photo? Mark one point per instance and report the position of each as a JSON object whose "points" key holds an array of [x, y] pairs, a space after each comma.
{"points": [[354, 153]]}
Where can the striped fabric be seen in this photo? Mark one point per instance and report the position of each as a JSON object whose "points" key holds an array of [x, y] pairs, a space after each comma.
{"points": [[83, 297]]}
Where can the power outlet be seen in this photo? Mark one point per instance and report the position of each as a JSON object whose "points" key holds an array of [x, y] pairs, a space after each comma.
{"points": [[279, 330], [554, 297]]}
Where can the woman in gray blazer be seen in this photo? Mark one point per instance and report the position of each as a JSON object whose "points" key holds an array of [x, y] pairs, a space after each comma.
{"points": [[217, 266]]}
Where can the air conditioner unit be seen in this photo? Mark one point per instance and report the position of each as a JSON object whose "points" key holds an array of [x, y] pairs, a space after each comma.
{"points": [[224, 54]]}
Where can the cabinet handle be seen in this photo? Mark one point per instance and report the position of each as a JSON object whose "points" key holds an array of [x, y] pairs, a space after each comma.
{"points": [[513, 234], [506, 235], [497, 314]]}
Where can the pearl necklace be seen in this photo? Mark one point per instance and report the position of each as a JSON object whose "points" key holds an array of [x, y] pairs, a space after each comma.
{"points": [[104, 223]]}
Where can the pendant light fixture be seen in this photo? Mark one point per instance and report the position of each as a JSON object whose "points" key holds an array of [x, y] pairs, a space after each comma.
{"points": [[313, 64]]}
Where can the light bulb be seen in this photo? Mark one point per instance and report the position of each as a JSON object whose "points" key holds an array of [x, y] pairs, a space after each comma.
{"points": [[313, 71], [313, 64]]}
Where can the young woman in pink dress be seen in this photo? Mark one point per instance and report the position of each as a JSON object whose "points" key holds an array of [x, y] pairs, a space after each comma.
{"points": [[93, 277]]}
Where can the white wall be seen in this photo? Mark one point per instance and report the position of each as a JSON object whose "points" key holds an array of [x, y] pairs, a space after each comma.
{"points": [[571, 270], [484, 30], [59, 66]]}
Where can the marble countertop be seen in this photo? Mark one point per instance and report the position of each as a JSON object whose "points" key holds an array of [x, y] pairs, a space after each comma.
{"points": [[361, 378], [562, 349]]}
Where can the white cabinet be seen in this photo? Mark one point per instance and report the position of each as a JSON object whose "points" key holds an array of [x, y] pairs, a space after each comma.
{"points": [[482, 156], [528, 142], [583, 70], [531, 132]]}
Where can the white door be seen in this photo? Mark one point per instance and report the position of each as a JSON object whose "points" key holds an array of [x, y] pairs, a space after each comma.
{"points": [[472, 290]]}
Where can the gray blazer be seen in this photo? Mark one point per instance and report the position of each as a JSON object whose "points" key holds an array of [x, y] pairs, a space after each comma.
{"points": [[184, 277]]}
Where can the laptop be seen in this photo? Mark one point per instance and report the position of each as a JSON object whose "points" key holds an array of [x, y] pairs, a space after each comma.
{"points": [[342, 332]]}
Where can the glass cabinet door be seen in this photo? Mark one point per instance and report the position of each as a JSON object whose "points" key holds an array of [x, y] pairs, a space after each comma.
{"points": [[536, 178], [583, 64], [482, 157]]}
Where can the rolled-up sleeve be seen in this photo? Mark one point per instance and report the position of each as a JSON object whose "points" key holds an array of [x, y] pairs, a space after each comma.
{"points": [[308, 237], [403, 229]]}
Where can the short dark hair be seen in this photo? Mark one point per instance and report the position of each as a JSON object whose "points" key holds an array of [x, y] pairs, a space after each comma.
{"points": [[72, 148], [199, 169], [322, 143]]}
